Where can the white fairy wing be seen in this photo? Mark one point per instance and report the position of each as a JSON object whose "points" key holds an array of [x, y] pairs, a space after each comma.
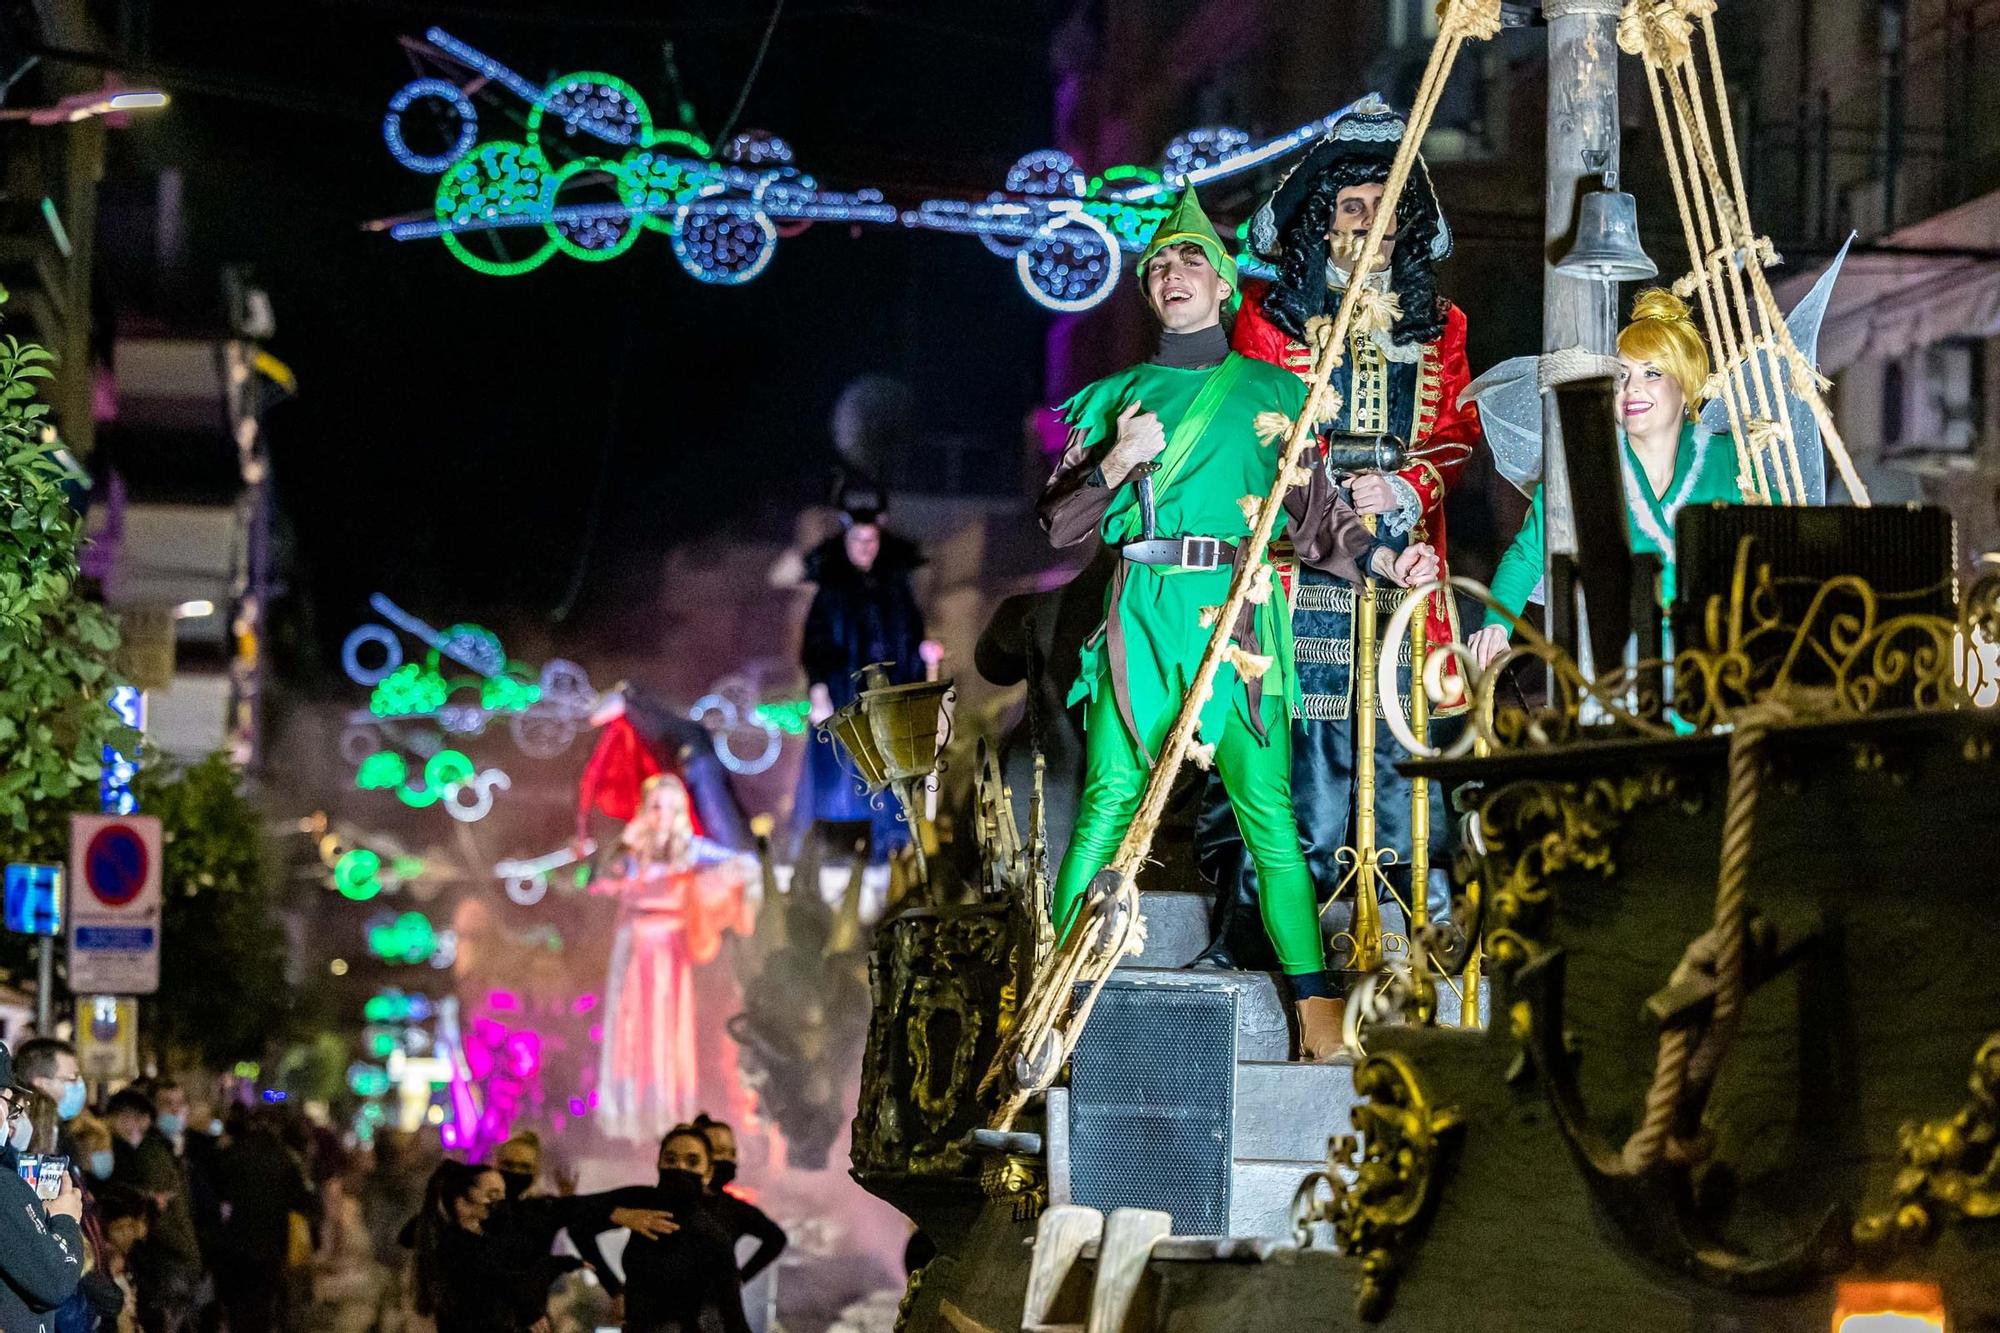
{"points": [[1804, 323], [1509, 399]]}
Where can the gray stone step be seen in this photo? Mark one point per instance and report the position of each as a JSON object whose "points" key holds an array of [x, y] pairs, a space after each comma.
{"points": [[1176, 927], [1263, 1030], [1288, 1111], [1261, 1193]]}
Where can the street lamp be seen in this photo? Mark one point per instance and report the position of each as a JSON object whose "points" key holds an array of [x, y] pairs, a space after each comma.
{"points": [[83, 106]]}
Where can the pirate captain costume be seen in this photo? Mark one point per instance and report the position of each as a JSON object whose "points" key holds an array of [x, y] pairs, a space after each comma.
{"points": [[1179, 524], [1402, 380]]}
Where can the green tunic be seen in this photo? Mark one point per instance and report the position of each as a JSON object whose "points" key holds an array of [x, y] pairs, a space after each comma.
{"points": [[1704, 471], [1160, 607]]}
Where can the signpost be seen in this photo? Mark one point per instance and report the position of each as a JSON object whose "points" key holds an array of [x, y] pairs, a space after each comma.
{"points": [[107, 1037], [34, 906], [114, 934]]}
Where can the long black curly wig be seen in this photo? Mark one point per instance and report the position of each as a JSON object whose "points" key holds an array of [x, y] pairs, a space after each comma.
{"points": [[1300, 290]]}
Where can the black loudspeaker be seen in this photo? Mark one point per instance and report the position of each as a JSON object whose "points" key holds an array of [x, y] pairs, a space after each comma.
{"points": [[1906, 553], [1152, 1103]]}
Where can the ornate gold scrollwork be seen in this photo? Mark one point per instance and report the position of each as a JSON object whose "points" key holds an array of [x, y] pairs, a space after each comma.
{"points": [[1531, 831], [1950, 1169], [1396, 1160], [1842, 649], [1018, 1178]]}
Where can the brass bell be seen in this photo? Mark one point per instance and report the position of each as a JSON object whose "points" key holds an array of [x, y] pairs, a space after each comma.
{"points": [[1607, 245]]}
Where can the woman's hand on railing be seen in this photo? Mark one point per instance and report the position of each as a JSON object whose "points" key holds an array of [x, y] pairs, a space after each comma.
{"points": [[1487, 644]]}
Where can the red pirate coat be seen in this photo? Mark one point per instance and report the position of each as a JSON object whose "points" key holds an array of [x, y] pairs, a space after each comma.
{"points": [[1371, 403]]}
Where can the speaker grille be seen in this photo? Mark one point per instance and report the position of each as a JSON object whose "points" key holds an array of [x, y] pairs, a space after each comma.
{"points": [[1152, 1100]]}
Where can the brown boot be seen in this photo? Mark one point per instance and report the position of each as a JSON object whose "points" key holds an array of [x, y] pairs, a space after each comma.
{"points": [[1321, 1020]]}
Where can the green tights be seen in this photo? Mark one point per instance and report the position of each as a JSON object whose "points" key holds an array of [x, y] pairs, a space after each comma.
{"points": [[1258, 777]]}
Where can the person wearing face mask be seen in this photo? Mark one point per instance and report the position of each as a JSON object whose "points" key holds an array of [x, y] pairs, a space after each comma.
{"points": [[685, 1281], [41, 1244], [92, 1138], [739, 1217], [169, 1264], [519, 1162], [483, 1261], [49, 1066]]}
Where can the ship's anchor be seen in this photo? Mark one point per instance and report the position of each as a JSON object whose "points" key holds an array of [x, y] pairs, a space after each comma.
{"points": [[1653, 1197]]}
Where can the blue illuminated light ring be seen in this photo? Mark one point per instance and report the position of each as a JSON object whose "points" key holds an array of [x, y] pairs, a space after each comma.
{"points": [[454, 96], [350, 655], [690, 216], [1046, 235]]}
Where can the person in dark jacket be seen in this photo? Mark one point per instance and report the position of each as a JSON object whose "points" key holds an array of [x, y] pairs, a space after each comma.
{"points": [[739, 1217], [463, 1281], [483, 1261], [259, 1183], [41, 1245], [864, 613], [686, 1281]]}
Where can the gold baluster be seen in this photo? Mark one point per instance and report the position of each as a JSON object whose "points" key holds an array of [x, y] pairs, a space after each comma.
{"points": [[1366, 871]]}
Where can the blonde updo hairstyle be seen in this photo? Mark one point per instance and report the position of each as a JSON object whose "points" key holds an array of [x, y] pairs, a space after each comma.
{"points": [[1662, 331]]}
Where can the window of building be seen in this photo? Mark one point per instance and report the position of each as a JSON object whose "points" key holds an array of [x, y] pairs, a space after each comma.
{"points": [[1933, 401]]}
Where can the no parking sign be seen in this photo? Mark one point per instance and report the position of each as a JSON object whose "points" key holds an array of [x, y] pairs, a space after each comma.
{"points": [[114, 930]]}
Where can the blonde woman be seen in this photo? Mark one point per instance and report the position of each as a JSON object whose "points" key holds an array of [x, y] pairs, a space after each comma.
{"points": [[1671, 460]]}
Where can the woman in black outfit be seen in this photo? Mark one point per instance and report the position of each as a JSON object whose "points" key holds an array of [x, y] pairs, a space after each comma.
{"points": [[482, 1260], [684, 1282], [464, 1280]]}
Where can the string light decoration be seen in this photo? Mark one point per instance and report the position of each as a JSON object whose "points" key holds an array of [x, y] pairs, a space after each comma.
{"points": [[430, 89], [1066, 232], [546, 710]]}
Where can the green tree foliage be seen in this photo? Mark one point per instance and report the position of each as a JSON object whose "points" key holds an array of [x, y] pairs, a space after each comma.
{"points": [[55, 646], [223, 992]]}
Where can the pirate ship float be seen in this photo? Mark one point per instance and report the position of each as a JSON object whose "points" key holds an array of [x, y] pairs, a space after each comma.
{"points": [[1739, 1063]]}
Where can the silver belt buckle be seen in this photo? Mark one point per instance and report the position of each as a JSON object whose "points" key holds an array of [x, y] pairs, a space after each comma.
{"points": [[1200, 552]]}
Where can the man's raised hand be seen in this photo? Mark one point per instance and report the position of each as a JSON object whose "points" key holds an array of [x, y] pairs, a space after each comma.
{"points": [[1141, 439]]}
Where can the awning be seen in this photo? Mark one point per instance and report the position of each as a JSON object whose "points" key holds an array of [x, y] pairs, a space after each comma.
{"points": [[1888, 304]]}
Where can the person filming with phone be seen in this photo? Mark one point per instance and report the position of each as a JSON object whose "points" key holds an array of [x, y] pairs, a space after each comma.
{"points": [[41, 1228]]}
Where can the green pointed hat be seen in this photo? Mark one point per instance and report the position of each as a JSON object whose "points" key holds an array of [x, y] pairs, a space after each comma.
{"points": [[1187, 223]]}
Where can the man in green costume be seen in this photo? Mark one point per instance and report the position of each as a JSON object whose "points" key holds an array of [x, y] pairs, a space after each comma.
{"points": [[1161, 458]]}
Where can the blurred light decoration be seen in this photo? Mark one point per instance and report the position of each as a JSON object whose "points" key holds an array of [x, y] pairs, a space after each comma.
{"points": [[394, 1006], [358, 875], [495, 1076], [1066, 232], [448, 777], [527, 880], [87, 105], [114, 785], [545, 710], [366, 1080], [408, 938], [746, 741]]}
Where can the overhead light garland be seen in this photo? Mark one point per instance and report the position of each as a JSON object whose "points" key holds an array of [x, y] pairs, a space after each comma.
{"points": [[1065, 232]]}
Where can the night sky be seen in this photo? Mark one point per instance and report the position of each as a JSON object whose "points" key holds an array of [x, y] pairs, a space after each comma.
{"points": [[451, 427]]}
